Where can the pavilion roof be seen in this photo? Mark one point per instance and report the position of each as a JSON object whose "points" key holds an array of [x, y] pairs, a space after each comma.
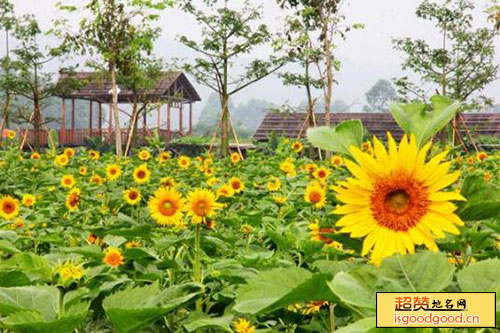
{"points": [[173, 85]]}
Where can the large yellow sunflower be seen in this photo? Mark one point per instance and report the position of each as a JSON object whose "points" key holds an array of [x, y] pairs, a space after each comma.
{"points": [[144, 155], [68, 181], [73, 199], [9, 207], [395, 198], [132, 196], [184, 162], [168, 182], [273, 184], [141, 174], [61, 160], [225, 191], [113, 171], [166, 206], [70, 152], [202, 205], [94, 155], [315, 194], [113, 257], [321, 173], [29, 200], [237, 184], [235, 158], [164, 156]]}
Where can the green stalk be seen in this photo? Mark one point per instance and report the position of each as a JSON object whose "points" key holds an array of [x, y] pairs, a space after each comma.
{"points": [[331, 317], [197, 265]]}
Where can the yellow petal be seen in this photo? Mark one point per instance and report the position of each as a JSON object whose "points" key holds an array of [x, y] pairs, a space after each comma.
{"points": [[446, 196]]}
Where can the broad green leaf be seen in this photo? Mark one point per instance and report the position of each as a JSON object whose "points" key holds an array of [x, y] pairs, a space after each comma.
{"points": [[13, 279], [333, 267], [423, 271], [416, 118], [483, 200], [90, 250], [37, 309], [8, 235], [115, 241], [42, 299], [29, 263], [480, 277], [221, 324], [8, 247], [361, 326], [339, 138], [133, 308], [351, 291], [277, 288]]}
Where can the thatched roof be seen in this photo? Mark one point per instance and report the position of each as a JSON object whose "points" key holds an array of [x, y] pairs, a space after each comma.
{"points": [[172, 85]]}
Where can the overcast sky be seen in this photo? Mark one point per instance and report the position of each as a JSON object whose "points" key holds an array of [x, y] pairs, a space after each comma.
{"points": [[366, 55]]}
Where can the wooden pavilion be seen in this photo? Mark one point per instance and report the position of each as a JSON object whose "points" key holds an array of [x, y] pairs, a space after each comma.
{"points": [[173, 91]]}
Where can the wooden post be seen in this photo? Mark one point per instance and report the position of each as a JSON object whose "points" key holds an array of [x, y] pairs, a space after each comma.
{"points": [[144, 125], [99, 121], [110, 125], [90, 118], [72, 120], [158, 119], [62, 134], [169, 133], [180, 117], [190, 118]]}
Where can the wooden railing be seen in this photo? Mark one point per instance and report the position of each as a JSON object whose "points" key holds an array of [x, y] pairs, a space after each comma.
{"points": [[78, 137]]}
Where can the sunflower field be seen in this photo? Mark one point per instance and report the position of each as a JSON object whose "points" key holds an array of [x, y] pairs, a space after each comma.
{"points": [[269, 242]]}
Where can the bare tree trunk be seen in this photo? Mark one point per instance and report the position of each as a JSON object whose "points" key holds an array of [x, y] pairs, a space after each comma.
{"points": [[114, 93], [132, 128], [6, 110], [37, 121], [329, 69], [224, 147]]}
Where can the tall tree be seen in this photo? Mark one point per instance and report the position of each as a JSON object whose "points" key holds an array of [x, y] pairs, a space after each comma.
{"points": [[227, 35], [325, 23], [140, 77], [28, 78], [379, 96], [118, 31], [299, 45], [461, 66], [7, 23]]}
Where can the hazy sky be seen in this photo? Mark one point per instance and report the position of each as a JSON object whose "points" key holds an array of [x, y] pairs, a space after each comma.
{"points": [[366, 55]]}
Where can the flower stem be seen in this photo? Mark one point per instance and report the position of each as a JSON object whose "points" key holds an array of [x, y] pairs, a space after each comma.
{"points": [[331, 317], [197, 264]]}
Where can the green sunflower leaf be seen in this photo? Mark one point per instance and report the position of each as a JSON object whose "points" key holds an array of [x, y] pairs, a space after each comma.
{"points": [[277, 288], [483, 200], [339, 138], [419, 119]]}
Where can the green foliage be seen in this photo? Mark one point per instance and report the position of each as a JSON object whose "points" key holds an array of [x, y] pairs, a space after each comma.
{"points": [[422, 120], [281, 287], [459, 68], [339, 138], [421, 272], [483, 200], [39, 309], [480, 277], [227, 35], [136, 307]]}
